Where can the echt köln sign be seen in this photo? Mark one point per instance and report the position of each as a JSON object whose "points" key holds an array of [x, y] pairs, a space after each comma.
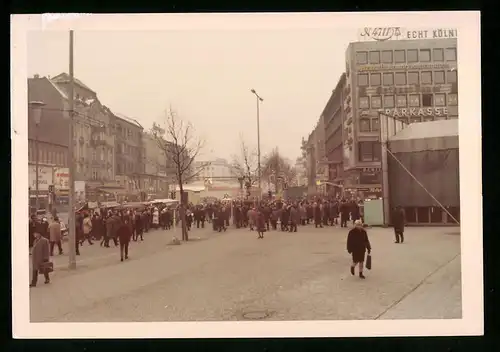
{"points": [[410, 112]]}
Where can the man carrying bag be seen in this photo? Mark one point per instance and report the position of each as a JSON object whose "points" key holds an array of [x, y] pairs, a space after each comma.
{"points": [[40, 259]]}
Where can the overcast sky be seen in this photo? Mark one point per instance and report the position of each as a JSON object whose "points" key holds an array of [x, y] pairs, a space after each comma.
{"points": [[207, 76]]}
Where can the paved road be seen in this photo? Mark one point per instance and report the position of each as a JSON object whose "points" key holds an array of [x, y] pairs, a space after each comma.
{"points": [[288, 276]]}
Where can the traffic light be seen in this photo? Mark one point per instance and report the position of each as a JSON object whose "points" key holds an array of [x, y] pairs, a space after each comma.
{"points": [[172, 195]]}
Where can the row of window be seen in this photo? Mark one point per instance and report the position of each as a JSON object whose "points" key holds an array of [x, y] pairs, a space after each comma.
{"points": [[405, 78], [404, 56], [128, 167], [373, 124], [411, 100], [46, 156], [369, 151]]}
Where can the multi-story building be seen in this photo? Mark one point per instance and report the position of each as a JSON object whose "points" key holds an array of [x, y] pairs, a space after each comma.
{"points": [[155, 181], [217, 168], [93, 135], [414, 80], [333, 117], [129, 152], [49, 138], [317, 164]]}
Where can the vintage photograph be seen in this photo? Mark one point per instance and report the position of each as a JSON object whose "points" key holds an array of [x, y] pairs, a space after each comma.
{"points": [[203, 174]]}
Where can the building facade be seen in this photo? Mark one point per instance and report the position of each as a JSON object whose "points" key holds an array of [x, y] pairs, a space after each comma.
{"points": [[155, 181], [333, 117], [49, 139], [129, 152], [316, 162], [217, 168], [413, 80]]}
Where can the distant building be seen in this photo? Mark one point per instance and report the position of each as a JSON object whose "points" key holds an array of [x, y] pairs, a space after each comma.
{"points": [[214, 169], [156, 180]]}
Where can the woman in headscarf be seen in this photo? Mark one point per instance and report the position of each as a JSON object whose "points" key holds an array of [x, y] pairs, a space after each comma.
{"points": [[357, 244]]}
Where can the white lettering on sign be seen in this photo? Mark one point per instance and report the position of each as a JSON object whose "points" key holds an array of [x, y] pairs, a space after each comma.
{"points": [[417, 112], [398, 33]]}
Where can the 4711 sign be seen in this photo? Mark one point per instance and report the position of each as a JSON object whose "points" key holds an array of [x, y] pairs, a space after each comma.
{"points": [[382, 34]]}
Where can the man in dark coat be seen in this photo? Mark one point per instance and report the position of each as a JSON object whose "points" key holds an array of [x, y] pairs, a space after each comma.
{"points": [[39, 256], [124, 233], [357, 244], [317, 215], [294, 218], [398, 221], [344, 213]]}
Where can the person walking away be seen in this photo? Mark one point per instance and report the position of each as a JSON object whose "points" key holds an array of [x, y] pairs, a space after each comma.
{"points": [[260, 223], [344, 213], [39, 256], [285, 218], [398, 221], [354, 211], [44, 228], [334, 213], [317, 216], [326, 213], [87, 229], [124, 233], [294, 218], [274, 218], [357, 244], [251, 218], [138, 227], [55, 236], [32, 229]]}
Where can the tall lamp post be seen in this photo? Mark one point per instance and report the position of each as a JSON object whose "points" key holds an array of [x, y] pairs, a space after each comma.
{"points": [[36, 109], [259, 100]]}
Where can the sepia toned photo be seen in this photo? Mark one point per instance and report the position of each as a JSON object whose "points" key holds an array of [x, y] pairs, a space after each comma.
{"points": [[264, 175]]}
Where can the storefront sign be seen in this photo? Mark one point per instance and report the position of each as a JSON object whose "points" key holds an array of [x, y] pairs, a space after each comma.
{"points": [[406, 67], [416, 112], [381, 34], [45, 177], [61, 178]]}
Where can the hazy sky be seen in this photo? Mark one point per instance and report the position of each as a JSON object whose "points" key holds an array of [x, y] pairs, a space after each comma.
{"points": [[207, 76]]}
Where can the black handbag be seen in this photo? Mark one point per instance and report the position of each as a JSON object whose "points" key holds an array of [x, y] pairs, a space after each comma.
{"points": [[47, 267], [369, 262]]}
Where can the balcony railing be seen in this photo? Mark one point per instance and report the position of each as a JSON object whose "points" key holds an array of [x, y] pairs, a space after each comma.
{"points": [[97, 129]]}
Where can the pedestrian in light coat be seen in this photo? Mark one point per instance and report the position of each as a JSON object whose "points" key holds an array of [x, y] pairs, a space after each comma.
{"points": [[55, 236]]}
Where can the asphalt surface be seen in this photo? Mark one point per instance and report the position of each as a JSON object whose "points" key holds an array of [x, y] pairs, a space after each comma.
{"points": [[235, 276]]}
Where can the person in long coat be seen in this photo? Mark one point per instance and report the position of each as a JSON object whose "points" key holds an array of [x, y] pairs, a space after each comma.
{"points": [[318, 215], [344, 213], [55, 236], [40, 254], [260, 223], [294, 218], [124, 235], [357, 245], [251, 218], [398, 221]]}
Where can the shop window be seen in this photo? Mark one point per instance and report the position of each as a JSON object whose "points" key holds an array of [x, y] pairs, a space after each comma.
{"points": [[374, 57], [375, 124], [388, 79], [400, 78], [423, 215], [375, 79], [426, 100], [453, 99], [412, 55], [413, 78], [361, 58], [425, 55], [451, 76], [438, 55], [426, 77], [451, 54], [399, 56], [414, 100], [364, 103], [436, 215], [364, 125], [388, 101], [362, 79], [387, 57], [376, 102], [439, 77], [401, 101], [440, 99]]}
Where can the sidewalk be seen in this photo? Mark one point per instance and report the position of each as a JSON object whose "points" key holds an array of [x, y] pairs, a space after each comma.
{"points": [[303, 275]]}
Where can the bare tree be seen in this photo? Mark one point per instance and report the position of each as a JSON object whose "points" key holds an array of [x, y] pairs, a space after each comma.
{"points": [[244, 166], [181, 148], [277, 170]]}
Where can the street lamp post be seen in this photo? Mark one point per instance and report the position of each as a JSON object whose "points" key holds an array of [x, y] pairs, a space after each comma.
{"points": [[259, 100], [36, 108]]}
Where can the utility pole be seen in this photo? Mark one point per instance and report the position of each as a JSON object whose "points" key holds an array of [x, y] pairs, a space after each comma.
{"points": [[259, 100], [71, 163]]}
